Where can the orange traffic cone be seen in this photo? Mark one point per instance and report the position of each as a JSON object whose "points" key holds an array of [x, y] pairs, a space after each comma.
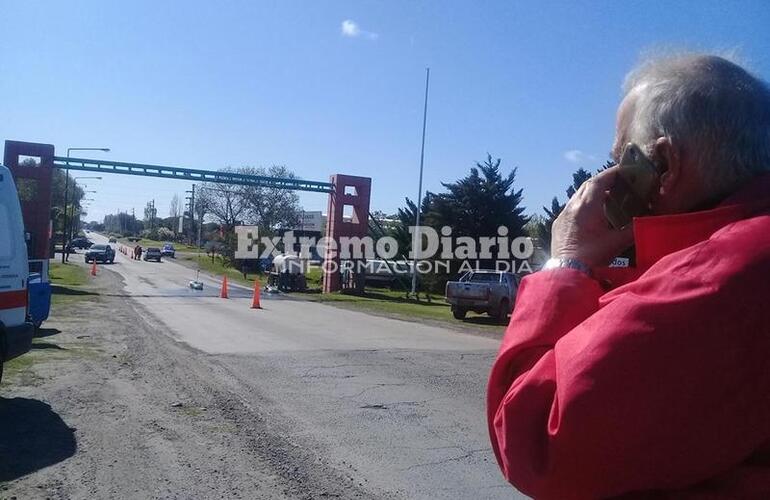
{"points": [[223, 292], [93, 268], [255, 301]]}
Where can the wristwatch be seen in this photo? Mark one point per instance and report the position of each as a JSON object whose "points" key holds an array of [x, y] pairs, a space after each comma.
{"points": [[567, 263]]}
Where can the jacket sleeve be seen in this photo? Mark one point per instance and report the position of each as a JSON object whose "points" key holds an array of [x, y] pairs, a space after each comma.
{"points": [[658, 384]]}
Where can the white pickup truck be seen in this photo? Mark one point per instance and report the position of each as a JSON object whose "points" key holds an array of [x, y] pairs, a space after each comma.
{"points": [[15, 330], [491, 292]]}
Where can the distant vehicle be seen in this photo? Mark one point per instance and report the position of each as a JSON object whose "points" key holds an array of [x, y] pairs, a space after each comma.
{"points": [[113, 240], [16, 330], [100, 253], [152, 253], [168, 250], [81, 243], [484, 291], [386, 273]]}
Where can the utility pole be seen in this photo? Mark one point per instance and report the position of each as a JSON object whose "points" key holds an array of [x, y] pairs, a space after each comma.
{"points": [[152, 216], [192, 212], [416, 242]]}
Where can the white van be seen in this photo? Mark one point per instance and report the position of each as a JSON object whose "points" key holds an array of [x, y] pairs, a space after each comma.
{"points": [[15, 331]]}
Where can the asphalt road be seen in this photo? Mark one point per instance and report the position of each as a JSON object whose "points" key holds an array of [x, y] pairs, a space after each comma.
{"points": [[397, 405]]}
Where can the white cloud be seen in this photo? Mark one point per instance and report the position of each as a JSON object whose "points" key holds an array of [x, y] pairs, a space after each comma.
{"points": [[576, 156], [351, 29]]}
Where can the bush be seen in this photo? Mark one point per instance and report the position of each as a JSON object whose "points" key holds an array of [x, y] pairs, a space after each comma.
{"points": [[165, 234]]}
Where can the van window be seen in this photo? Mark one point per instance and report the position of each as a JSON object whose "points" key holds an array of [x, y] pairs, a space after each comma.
{"points": [[6, 234]]}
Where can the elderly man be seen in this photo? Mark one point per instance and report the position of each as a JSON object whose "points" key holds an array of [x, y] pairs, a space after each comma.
{"points": [[652, 381]]}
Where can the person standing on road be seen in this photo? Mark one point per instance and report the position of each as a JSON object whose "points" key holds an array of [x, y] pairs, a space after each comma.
{"points": [[652, 381]]}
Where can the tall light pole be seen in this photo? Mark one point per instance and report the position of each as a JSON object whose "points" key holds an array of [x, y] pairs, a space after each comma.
{"points": [[64, 238], [416, 241]]}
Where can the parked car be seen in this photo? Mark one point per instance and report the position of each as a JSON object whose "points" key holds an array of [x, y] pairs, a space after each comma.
{"points": [[100, 253], [16, 330], [81, 243], [168, 250], [152, 253], [484, 291], [113, 239]]}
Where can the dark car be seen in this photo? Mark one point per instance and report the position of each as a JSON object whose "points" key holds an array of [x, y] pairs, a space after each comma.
{"points": [[152, 253], [82, 243], [168, 250], [100, 253]]}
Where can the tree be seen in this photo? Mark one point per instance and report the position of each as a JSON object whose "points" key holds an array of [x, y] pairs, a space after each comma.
{"points": [[75, 195], [271, 208], [122, 223], [478, 204], [226, 203], [544, 227], [607, 164], [400, 231], [175, 207], [150, 214], [578, 178]]}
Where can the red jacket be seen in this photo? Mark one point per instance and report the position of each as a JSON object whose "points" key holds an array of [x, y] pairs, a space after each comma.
{"points": [[655, 383]]}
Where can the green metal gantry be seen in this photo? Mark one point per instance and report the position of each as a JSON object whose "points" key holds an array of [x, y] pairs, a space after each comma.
{"points": [[118, 167]]}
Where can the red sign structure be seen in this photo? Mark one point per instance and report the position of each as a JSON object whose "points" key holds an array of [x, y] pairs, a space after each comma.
{"points": [[33, 181], [348, 215]]}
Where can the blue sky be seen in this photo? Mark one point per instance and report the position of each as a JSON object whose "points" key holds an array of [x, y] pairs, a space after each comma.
{"points": [[214, 84]]}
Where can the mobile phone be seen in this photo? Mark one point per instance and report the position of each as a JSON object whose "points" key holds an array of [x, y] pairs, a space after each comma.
{"points": [[635, 184]]}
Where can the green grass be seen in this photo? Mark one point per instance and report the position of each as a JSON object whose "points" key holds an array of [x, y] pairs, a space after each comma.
{"points": [[314, 277], [391, 303], [68, 283], [20, 368], [67, 274]]}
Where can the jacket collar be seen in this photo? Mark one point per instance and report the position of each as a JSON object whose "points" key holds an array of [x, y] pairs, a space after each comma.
{"points": [[657, 236], [661, 235]]}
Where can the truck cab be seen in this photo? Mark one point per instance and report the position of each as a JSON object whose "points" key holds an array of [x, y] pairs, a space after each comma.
{"points": [[15, 330]]}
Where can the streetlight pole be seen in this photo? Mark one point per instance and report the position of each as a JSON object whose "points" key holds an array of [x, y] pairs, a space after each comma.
{"points": [[64, 238], [69, 232], [416, 240]]}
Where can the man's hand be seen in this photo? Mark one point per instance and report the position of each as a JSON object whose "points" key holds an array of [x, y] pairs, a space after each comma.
{"points": [[582, 232]]}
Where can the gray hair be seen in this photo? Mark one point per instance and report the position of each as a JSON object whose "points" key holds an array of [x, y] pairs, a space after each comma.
{"points": [[713, 110]]}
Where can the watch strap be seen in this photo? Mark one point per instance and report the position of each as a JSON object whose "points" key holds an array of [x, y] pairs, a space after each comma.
{"points": [[558, 263]]}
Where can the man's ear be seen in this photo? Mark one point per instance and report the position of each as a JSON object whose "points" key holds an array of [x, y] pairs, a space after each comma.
{"points": [[668, 163]]}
